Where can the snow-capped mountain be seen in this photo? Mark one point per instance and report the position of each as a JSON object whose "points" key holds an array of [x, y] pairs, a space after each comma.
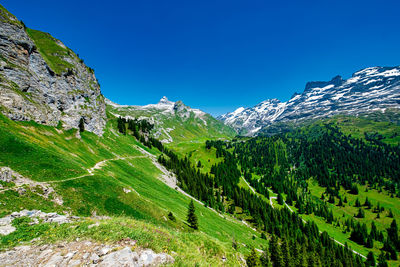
{"points": [[174, 121], [165, 107], [368, 90]]}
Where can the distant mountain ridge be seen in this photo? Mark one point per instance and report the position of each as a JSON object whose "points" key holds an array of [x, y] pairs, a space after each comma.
{"points": [[174, 121], [368, 90]]}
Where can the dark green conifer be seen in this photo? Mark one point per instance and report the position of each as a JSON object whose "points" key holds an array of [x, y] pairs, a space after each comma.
{"points": [[81, 125], [382, 260], [264, 258], [191, 216], [171, 216], [252, 259]]}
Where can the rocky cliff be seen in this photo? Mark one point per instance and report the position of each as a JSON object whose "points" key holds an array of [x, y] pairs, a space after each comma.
{"points": [[44, 81]]}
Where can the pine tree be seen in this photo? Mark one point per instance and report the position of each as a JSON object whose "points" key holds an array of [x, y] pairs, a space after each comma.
{"points": [[171, 216], [191, 216], [370, 259], [275, 252], [367, 203], [280, 199], [382, 260], [370, 242], [264, 258], [374, 231], [393, 234], [121, 125], [81, 125], [360, 213], [390, 214], [252, 259], [263, 236], [357, 204], [285, 253], [234, 243]]}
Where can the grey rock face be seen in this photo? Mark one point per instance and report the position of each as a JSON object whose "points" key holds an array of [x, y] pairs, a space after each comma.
{"points": [[368, 90], [6, 174], [6, 222], [31, 90]]}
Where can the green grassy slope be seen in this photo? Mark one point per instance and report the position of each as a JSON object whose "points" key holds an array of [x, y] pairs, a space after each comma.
{"points": [[62, 160], [192, 129], [51, 50], [381, 126], [359, 127]]}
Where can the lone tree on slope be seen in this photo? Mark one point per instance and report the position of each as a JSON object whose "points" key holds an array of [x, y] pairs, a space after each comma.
{"points": [[191, 217], [81, 125]]}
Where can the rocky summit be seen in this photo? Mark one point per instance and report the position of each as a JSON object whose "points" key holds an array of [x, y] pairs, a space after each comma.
{"points": [[173, 121], [44, 81], [371, 89]]}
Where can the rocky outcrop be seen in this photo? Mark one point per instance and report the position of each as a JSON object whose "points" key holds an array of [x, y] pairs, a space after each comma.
{"points": [[44, 81], [6, 174], [84, 253], [6, 226], [19, 183]]}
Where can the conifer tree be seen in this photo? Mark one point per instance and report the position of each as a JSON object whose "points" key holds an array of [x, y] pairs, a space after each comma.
{"points": [[382, 260], [121, 125], [370, 242], [374, 231], [275, 252], [370, 259], [390, 213], [393, 234], [360, 213], [81, 125], [191, 216], [357, 204], [264, 258], [252, 259], [280, 199], [285, 253], [171, 216]]}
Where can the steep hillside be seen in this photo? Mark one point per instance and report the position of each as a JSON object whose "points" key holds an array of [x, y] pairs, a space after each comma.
{"points": [[87, 176], [368, 90], [43, 80], [174, 121]]}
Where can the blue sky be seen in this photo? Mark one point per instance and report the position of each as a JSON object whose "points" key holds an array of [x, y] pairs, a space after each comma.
{"points": [[218, 55]]}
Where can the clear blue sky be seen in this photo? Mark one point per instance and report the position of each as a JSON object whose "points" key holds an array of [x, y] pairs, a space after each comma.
{"points": [[221, 54]]}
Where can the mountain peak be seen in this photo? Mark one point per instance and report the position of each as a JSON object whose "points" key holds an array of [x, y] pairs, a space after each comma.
{"points": [[164, 100], [368, 90]]}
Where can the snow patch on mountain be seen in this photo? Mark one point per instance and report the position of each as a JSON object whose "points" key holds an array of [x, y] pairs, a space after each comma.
{"points": [[370, 89]]}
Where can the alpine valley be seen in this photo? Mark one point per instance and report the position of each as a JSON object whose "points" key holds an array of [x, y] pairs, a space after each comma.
{"points": [[84, 181]]}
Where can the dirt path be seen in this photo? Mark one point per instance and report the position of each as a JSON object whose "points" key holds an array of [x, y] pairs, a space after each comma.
{"points": [[252, 189], [97, 166], [90, 171], [270, 201]]}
